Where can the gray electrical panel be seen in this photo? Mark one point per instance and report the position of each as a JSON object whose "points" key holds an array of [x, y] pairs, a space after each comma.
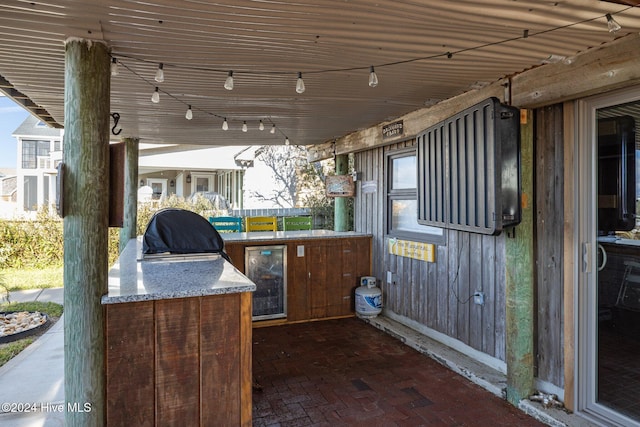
{"points": [[469, 170]]}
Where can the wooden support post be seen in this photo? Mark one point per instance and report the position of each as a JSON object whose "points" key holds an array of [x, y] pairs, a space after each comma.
{"points": [[341, 214], [519, 277], [128, 230], [86, 200], [570, 231]]}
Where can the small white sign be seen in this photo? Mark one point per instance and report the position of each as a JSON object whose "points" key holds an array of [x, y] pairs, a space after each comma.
{"points": [[369, 186]]}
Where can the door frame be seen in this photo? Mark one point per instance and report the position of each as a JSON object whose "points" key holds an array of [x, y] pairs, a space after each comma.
{"points": [[585, 216]]}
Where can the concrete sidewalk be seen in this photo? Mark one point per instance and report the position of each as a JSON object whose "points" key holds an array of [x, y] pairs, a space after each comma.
{"points": [[34, 380]]}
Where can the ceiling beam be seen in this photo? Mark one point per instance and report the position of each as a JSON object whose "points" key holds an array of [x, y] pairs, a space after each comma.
{"points": [[597, 70], [20, 98]]}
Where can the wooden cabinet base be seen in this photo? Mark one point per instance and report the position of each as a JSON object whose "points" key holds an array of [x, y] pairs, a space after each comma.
{"points": [[184, 361], [322, 275]]}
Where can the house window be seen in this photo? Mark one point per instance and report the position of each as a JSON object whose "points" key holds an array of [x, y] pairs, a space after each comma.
{"points": [[402, 203], [31, 150], [30, 200], [202, 183]]}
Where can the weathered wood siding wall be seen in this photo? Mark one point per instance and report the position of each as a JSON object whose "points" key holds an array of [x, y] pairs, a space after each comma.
{"points": [[437, 295], [549, 148]]}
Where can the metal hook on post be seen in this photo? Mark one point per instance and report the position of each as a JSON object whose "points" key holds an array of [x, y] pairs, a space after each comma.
{"points": [[116, 119]]}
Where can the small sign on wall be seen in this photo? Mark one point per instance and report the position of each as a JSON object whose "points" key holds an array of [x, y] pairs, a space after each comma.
{"points": [[409, 249], [393, 130], [369, 187], [339, 185]]}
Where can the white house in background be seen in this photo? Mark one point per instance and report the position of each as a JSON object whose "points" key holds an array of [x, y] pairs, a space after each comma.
{"points": [[185, 170], [167, 169], [39, 153], [7, 193], [7, 185]]}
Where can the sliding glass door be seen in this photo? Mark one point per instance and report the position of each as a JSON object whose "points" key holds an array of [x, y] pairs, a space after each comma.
{"points": [[609, 258]]}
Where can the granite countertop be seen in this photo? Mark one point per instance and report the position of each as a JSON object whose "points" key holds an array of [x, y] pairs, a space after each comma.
{"points": [[258, 236], [133, 279]]}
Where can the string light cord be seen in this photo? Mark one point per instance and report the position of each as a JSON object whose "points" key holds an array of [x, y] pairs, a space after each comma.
{"points": [[267, 120], [116, 59], [447, 54]]}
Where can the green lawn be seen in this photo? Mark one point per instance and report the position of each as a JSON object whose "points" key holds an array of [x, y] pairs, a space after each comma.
{"points": [[22, 279], [10, 350]]}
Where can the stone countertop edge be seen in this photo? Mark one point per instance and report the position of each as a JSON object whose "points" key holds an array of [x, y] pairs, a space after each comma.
{"points": [[132, 279], [274, 236]]}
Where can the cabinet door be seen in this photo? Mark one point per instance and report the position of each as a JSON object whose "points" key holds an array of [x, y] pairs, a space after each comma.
{"points": [[317, 259], [298, 304], [325, 278], [355, 256]]}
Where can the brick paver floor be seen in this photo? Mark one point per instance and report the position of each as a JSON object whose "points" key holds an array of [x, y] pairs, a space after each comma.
{"points": [[348, 373]]}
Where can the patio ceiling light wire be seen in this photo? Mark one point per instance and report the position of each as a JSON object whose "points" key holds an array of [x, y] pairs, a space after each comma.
{"points": [[116, 59], [266, 119], [449, 54]]}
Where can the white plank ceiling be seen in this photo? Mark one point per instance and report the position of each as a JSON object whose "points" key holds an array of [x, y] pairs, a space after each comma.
{"points": [[266, 43]]}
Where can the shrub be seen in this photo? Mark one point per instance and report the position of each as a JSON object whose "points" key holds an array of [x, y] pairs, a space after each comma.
{"points": [[31, 244], [39, 243]]}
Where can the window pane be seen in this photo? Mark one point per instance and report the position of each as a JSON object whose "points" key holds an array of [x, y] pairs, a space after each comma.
{"points": [[202, 184], [157, 190], [404, 217], [28, 154], [43, 148], [30, 193], [403, 173]]}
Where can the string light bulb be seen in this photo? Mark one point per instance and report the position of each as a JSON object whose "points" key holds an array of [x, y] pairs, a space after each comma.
{"points": [[612, 24], [373, 77], [115, 68], [160, 73], [189, 114], [300, 84], [244, 126], [228, 83], [261, 125], [286, 140], [225, 125]]}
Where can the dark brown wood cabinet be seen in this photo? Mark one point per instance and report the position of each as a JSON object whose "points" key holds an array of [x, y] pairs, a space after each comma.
{"points": [[322, 273], [183, 361]]}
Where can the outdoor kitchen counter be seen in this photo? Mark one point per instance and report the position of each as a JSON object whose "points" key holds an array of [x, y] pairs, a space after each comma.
{"points": [[275, 236], [133, 279], [177, 341], [322, 271]]}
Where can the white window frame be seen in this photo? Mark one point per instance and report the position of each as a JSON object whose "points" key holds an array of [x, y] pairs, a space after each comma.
{"points": [[418, 232], [194, 180]]}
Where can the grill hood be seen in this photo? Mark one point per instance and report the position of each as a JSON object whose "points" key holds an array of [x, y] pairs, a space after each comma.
{"points": [[179, 231]]}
